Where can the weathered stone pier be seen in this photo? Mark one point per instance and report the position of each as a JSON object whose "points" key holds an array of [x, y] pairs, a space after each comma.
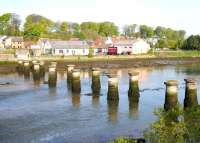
{"points": [[113, 93], [36, 72], [76, 82], [96, 83], [133, 91], [69, 73], [171, 99], [52, 81], [190, 93]]}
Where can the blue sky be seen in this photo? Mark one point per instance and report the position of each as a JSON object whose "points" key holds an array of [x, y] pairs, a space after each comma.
{"points": [[177, 14]]}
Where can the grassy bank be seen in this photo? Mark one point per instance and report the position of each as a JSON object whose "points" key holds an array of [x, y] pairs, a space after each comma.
{"points": [[158, 54], [7, 62], [105, 58], [181, 54]]}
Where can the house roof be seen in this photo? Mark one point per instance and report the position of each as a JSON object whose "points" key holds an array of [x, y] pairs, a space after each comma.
{"points": [[16, 39], [2, 38], [124, 43], [58, 44]]}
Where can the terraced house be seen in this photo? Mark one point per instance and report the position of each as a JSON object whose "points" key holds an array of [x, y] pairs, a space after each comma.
{"points": [[14, 42], [70, 48]]}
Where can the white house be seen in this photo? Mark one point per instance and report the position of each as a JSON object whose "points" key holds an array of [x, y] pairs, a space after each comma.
{"points": [[69, 48], [124, 47], [2, 41], [140, 47], [15, 42], [22, 54], [45, 46], [37, 51], [137, 46]]}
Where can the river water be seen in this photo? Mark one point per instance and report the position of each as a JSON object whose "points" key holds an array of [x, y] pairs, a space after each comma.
{"points": [[33, 113]]}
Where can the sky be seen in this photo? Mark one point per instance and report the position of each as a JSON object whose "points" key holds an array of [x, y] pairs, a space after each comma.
{"points": [[176, 14]]}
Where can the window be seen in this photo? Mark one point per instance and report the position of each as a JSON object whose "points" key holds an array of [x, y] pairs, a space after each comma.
{"points": [[60, 51], [130, 47], [67, 51], [83, 50], [125, 47]]}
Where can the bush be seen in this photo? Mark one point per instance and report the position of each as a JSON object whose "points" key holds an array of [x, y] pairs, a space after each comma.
{"points": [[192, 43], [91, 52]]}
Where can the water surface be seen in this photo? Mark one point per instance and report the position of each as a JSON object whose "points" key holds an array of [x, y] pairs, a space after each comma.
{"points": [[31, 112]]}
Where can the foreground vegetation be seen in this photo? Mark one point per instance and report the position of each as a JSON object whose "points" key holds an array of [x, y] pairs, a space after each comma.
{"points": [[175, 126], [124, 140]]}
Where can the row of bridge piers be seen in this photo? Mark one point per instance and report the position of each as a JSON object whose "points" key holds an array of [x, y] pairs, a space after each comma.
{"points": [[73, 79]]}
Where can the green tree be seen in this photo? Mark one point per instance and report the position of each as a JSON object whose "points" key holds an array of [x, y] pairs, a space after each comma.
{"points": [[129, 30], [10, 24], [64, 27], [37, 24], [76, 30], [146, 31], [192, 43], [160, 31], [108, 29], [161, 44], [89, 30]]}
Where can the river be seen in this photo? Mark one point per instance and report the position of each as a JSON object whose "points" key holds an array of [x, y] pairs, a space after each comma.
{"points": [[31, 112]]}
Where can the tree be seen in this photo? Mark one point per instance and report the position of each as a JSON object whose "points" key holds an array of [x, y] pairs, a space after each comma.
{"points": [[89, 30], [160, 31], [192, 43], [37, 24], [161, 44], [64, 27], [108, 29], [76, 30], [10, 24], [172, 44], [146, 31], [129, 30]]}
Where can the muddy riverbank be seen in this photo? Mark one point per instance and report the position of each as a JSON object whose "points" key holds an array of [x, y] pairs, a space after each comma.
{"points": [[125, 63]]}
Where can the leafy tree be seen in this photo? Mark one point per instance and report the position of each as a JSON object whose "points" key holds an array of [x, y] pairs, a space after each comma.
{"points": [[108, 29], [181, 34], [192, 43], [172, 44], [129, 30], [76, 30], [146, 31], [161, 44], [160, 31], [10, 24], [89, 30], [37, 24], [64, 27]]}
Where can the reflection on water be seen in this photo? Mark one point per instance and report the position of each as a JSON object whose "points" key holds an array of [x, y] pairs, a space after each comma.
{"points": [[95, 100], [76, 100], [193, 69], [33, 112], [133, 108], [113, 111]]}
